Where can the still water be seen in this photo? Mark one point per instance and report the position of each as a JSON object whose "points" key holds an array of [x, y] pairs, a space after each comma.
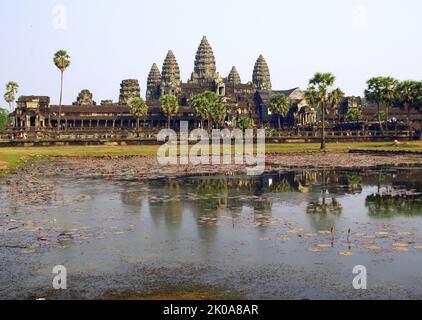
{"points": [[266, 237]]}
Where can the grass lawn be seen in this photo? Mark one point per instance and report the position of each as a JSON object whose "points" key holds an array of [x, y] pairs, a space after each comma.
{"points": [[12, 158]]}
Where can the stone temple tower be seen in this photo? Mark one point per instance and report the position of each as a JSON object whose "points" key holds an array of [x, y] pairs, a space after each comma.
{"points": [[129, 89], [170, 76], [261, 75], [153, 84], [234, 78], [205, 68]]}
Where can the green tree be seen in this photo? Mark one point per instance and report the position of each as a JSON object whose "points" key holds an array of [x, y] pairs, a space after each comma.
{"points": [[10, 95], [280, 104], [199, 107], [61, 60], [244, 122], [353, 115], [311, 97], [336, 98], [3, 119], [381, 90], [320, 88], [208, 106], [169, 106], [217, 110], [408, 93], [138, 107]]}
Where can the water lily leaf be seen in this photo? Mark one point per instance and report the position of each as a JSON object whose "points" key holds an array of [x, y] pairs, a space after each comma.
{"points": [[402, 245], [265, 238], [347, 253], [373, 248]]}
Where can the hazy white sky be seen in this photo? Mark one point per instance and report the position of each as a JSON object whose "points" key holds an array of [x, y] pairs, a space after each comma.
{"points": [[111, 40]]}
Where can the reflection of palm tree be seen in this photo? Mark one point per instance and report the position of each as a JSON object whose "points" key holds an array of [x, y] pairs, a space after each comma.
{"points": [[390, 205], [323, 215], [324, 208]]}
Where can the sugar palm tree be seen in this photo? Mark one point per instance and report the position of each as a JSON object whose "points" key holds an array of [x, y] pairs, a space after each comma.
{"points": [[11, 91], [381, 90], [169, 106], [336, 98], [199, 107], [217, 110], [138, 107], [62, 62], [244, 122], [208, 106], [407, 95], [320, 87], [280, 104]]}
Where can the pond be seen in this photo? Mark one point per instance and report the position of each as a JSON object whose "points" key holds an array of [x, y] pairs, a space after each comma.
{"points": [[294, 235]]}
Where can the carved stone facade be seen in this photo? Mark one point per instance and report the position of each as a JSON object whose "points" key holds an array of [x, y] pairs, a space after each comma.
{"points": [[205, 69], [129, 89], [250, 99], [234, 77], [84, 98], [261, 77], [153, 84], [170, 76]]}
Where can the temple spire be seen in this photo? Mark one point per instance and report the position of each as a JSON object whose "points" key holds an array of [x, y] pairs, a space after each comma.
{"points": [[234, 77], [261, 77], [205, 67], [170, 76], [153, 83]]}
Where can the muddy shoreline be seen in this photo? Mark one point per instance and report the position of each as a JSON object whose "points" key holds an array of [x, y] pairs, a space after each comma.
{"points": [[147, 167]]}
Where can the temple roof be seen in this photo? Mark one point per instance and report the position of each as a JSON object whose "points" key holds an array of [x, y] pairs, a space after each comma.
{"points": [[154, 76], [205, 66], [261, 74], [234, 77], [265, 95], [171, 71]]}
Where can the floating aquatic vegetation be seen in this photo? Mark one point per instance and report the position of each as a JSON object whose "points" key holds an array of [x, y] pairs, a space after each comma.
{"points": [[346, 253], [314, 249]]}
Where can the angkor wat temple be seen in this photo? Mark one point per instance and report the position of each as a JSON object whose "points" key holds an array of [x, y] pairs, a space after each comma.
{"points": [[35, 113]]}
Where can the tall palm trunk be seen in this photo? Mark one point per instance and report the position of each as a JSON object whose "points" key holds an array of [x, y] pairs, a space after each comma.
{"points": [[323, 128], [387, 110], [379, 118], [60, 102], [279, 122], [168, 122], [407, 110]]}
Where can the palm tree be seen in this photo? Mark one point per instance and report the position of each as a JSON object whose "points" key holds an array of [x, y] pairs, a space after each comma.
{"points": [[407, 95], [11, 91], [336, 98], [217, 110], [381, 90], [169, 106], [199, 107], [138, 108], [280, 104], [208, 105], [244, 122], [320, 87], [62, 62]]}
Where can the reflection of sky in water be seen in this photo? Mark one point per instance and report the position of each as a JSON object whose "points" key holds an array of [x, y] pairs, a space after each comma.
{"points": [[230, 223]]}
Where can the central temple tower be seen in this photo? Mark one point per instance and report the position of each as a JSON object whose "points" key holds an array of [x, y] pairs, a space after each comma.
{"points": [[205, 69]]}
